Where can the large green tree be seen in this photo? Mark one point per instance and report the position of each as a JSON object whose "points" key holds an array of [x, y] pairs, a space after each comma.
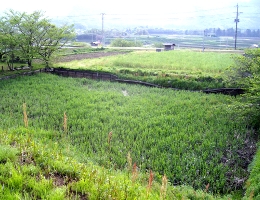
{"points": [[8, 46], [34, 35], [53, 39]]}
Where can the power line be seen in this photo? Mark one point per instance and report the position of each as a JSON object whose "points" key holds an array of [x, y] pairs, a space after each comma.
{"points": [[103, 42]]}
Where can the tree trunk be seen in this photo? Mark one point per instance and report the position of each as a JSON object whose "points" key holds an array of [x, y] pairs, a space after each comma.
{"points": [[29, 62]]}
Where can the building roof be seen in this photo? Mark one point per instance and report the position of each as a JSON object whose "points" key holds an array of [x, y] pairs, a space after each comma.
{"points": [[169, 44]]}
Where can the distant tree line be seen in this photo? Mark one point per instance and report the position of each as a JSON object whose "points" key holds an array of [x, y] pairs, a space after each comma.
{"points": [[24, 37], [231, 32], [125, 43]]}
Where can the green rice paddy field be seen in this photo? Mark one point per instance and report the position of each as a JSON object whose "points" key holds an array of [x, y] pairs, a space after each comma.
{"points": [[189, 136], [195, 139]]}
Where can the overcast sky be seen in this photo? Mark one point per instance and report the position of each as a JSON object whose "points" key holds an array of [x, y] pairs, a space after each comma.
{"points": [[61, 7], [150, 11]]}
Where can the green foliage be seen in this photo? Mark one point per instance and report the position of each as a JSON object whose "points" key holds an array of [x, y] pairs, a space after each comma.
{"points": [[158, 45], [125, 43], [7, 153], [181, 134], [253, 183], [246, 74], [30, 36], [26, 177], [177, 69], [80, 44]]}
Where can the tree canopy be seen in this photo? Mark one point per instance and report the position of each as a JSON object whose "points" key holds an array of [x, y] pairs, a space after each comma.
{"points": [[28, 36]]}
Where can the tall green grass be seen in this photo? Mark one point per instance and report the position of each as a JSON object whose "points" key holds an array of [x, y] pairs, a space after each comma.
{"points": [[183, 69], [181, 134], [35, 167], [177, 61]]}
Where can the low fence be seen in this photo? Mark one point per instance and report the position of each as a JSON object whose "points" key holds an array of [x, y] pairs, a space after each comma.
{"points": [[26, 73], [84, 74], [111, 77], [227, 91], [97, 75]]}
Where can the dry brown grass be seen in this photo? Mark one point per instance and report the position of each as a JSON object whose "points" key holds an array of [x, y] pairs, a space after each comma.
{"points": [[25, 117]]}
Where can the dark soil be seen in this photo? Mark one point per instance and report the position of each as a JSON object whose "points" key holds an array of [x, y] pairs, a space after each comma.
{"points": [[82, 56], [241, 158]]}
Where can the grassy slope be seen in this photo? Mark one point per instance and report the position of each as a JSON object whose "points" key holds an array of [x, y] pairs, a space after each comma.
{"points": [[34, 167], [253, 183]]}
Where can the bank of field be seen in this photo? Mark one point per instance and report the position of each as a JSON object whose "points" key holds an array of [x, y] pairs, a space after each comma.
{"points": [[191, 137], [180, 68]]}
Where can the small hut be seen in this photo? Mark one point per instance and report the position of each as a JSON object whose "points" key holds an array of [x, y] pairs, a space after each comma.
{"points": [[168, 46]]}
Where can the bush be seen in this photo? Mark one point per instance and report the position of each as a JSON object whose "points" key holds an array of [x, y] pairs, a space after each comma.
{"points": [[158, 45], [246, 74]]}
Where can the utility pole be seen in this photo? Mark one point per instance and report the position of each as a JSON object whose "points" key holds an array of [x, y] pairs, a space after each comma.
{"points": [[103, 40], [203, 48], [236, 21]]}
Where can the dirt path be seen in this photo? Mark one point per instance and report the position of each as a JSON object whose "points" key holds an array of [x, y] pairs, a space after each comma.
{"points": [[69, 58]]}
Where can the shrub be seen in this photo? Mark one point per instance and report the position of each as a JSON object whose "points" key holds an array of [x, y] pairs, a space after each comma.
{"points": [[125, 43]]}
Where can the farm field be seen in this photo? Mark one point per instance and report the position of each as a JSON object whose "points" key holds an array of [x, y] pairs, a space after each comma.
{"points": [[193, 138], [182, 69], [222, 42], [183, 41]]}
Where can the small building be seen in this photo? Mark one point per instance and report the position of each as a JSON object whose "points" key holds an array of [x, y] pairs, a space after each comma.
{"points": [[168, 46], [211, 35]]}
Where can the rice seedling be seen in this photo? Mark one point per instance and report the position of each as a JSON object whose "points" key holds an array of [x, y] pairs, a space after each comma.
{"points": [[65, 125], [192, 137]]}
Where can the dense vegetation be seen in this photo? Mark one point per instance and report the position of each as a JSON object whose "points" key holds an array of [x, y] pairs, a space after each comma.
{"points": [[178, 69], [253, 183], [246, 74], [32, 166], [27, 36], [125, 43], [205, 141], [192, 138]]}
